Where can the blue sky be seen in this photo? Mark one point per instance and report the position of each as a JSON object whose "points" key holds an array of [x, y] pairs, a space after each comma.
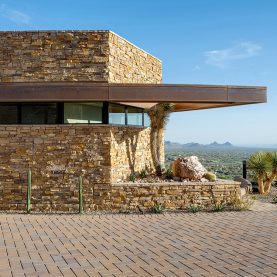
{"points": [[199, 42]]}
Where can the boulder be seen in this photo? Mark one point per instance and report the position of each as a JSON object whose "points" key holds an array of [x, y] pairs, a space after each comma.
{"points": [[188, 168], [244, 183]]}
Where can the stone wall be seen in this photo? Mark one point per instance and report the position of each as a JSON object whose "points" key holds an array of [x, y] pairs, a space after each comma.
{"points": [[129, 64], [54, 56], [96, 56], [57, 155], [102, 154], [171, 195], [130, 152]]}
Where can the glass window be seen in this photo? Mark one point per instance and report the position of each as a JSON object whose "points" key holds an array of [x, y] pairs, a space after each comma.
{"points": [[116, 114], [43, 113], [134, 116], [147, 122], [83, 112], [8, 114]]}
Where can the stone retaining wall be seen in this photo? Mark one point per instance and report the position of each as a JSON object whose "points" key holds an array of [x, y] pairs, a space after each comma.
{"points": [[172, 195]]}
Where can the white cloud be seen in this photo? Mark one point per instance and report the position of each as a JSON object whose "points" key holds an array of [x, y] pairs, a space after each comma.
{"points": [[222, 58], [14, 15]]}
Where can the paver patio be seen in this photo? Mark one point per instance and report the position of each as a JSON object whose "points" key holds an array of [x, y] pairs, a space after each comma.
{"points": [[173, 244]]}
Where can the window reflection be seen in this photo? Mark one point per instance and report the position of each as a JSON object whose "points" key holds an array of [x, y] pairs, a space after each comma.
{"points": [[8, 114], [39, 113], [147, 122], [83, 112], [116, 114], [134, 116]]}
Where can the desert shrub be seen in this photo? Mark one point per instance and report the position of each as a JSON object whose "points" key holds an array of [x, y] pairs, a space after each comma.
{"points": [[274, 199], [241, 204], [210, 176], [132, 177], [194, 208], [168, 174], [124, 211], [158, 208], [143, 174], [219, 207]]}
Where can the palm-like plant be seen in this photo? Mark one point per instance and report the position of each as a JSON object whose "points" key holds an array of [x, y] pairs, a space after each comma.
{"points": [[159, 116], [264, 166], [272, 160]]}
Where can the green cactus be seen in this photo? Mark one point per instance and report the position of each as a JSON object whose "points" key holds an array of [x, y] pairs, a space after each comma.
{"points": [[29, 184], [81, 195], [210, 176]]}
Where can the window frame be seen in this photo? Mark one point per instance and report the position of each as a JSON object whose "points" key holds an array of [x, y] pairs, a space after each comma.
{"points": [[20, 105], [85, 123], [60, 113]]}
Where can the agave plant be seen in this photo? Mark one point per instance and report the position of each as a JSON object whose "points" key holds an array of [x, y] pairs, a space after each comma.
{"points": [[264, 166], [159, 116]]}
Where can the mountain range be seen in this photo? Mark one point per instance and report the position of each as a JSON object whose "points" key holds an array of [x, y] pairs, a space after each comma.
{"points": [[176, 145]]}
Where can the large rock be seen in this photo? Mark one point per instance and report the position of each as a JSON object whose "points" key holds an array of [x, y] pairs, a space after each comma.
{"points": [[188, 168], [244, 183]]}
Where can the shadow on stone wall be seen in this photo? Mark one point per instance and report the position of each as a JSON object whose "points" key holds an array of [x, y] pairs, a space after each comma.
{"points": [[131, 147]]}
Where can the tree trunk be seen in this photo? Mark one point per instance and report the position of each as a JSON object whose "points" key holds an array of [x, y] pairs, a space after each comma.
{"points": [[261, 184], [159, 144], [268, 183], [159, 154], [153, 144]]}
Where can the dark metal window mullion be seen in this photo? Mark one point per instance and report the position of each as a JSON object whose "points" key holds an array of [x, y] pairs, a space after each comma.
{"points": [[126, 115], [19, 113], [60, 112], [143, 112], [105, 113]]}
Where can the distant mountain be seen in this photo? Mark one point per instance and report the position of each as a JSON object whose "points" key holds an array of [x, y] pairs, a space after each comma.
{"points": [[194, 145], [215, 144]]}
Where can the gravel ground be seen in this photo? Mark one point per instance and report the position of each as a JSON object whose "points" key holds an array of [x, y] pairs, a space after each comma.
{"points": [[267, 198]]}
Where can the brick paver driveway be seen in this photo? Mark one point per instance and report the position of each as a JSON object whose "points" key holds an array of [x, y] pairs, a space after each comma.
{"points": [[218, 244]]}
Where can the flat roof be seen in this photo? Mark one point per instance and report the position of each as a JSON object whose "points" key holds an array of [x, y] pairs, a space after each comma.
{"points": [[186, 97]]}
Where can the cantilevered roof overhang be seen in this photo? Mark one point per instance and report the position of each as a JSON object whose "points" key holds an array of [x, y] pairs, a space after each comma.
{"points": [[185, 97]]}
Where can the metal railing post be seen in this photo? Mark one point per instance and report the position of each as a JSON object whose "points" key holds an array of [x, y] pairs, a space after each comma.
{"points": [[81, 195], [244, 169], [29, 184]]}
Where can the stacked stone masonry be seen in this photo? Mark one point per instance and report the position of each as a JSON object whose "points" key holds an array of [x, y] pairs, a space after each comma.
{"points": [[103, 154], [58, 154], [171, 195], [95, 56]]}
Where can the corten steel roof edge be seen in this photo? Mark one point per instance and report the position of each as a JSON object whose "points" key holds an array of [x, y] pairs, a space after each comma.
{"points": [[209, 96]]}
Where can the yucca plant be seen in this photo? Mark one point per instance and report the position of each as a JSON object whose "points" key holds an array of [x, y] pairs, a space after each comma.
{"points": [[218, 207], [194, 208], [264, 166], [158, 208], [159, 116]]}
